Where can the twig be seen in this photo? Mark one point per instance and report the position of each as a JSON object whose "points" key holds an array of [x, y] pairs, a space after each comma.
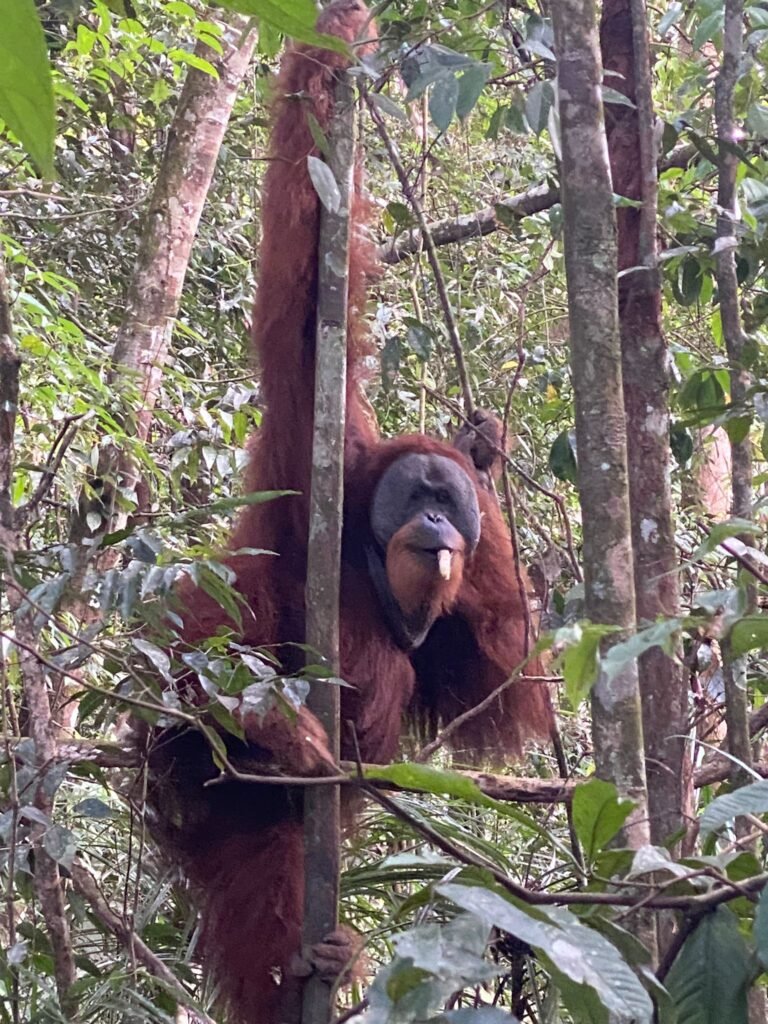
{"points": [[62, 441], [510, 788], [691, 904], [47, 877], [556, 498], [434, 262]]}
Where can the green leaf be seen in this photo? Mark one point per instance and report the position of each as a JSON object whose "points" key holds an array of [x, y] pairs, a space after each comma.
{"points": [[294, 18], [749, 634], [708, 981], [92, 807], [689, 281], [562, 458], [419, 338], [703, 395], [325, 183], [760, 929], [537, 106], [26, 91], [471, 85], [681, 444], [673, 14], [614, 96], [229, 505], [537, 47], [425, 779], [737, 428], [751, 799], [576, 953], [724, 531], [390, 362], [580, 660], [158, 657], [483, 1015], [757, 119], [708, 28], [60, 844], [443, 99], [660, 634], [388, 106], [704, 146], [179, 56], [317, 133], [452, 950], [598, 814]]}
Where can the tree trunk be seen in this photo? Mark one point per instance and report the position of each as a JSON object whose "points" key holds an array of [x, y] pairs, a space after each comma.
{"points": [[48, 884], [734, 669], [170, 225], [645, 370], [590, 262]]}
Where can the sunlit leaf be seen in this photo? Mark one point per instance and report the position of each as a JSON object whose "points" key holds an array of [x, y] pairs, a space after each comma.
{"points": [[26, 92], [325, 183], [751, 799]]}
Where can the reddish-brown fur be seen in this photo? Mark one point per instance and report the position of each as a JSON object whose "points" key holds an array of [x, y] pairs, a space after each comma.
{"points": [[241, 845], [414, 581]]}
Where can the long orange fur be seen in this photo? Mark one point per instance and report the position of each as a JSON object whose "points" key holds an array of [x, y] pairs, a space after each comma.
{"points": [[239, 845]]}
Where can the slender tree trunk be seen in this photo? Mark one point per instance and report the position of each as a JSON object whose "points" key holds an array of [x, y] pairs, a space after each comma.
{"points": [[590, 262], [734, 669], [170, 225], [322, 807], [47, 877], [645, 369]]}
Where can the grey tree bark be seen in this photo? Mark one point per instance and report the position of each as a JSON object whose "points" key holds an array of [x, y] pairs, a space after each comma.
{"points": [[590, 260], [734, 669], [170, 225], [322, 821], [645, 370]]}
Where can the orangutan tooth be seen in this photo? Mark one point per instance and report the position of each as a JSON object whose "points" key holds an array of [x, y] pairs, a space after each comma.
{"points": [[444, 563]]}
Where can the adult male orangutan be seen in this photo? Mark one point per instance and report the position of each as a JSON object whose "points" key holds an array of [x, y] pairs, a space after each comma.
{"points": [[432, 605]]}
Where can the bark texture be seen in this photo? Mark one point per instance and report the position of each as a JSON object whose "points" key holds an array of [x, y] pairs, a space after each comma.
{"points": [[143, 341], [590, 259], [734, 669], [645, 371], [322, 822], [40, 727]]}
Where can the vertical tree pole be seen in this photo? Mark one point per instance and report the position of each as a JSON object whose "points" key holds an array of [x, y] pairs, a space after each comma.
{"points": [[590, 264], [646, 372], [734, 669], [321, 804], [143, 342]]}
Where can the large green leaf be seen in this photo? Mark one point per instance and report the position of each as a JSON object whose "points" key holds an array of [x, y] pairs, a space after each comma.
{"points": [[579, 662], [432, 962], [749, 634], [760, 929], [294, 18], [752, 799], [598, 814], [443, 99], [26, 92], [583, 961], [708, 981]]}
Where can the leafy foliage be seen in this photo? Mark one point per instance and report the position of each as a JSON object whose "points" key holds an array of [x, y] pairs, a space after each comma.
{"points": [[476, 123]]}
